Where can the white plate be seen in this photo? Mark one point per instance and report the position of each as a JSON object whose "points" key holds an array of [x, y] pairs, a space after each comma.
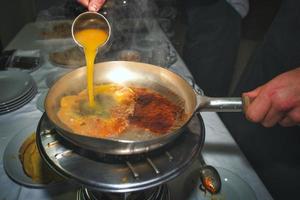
{"points": [[12, 164], [7, 109], [233, 187], [62, 50], [20, 100], [13, 85], [47, 27]]}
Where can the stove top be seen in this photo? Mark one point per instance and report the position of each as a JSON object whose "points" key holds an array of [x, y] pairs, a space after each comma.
{"points": [[120, 174]]}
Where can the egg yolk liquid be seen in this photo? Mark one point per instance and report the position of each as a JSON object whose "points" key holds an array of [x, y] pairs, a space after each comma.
{"points": [[91, 39]]}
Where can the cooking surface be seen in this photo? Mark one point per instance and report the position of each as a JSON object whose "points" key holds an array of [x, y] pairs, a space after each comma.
{"points": [[220, 149]]}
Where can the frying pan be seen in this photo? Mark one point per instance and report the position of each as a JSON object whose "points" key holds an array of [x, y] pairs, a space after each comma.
{"points": [[133, 74]]}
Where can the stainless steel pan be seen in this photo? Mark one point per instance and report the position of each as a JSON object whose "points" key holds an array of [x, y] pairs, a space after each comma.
{"points": [[137, 74]]}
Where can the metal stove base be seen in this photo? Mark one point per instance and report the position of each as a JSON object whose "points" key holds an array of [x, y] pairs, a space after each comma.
{"points": [[122, 175], [157, 193]]}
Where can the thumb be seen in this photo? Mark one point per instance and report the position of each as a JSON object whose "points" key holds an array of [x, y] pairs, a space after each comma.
{"points": [[254, 93], [95, 5], [248, 97]]}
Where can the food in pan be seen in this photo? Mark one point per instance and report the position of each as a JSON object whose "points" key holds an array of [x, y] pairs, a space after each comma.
{"points": [[32, 163], [58, 30], [108, 117], [119, 109], [71, 57], [154, 112]]}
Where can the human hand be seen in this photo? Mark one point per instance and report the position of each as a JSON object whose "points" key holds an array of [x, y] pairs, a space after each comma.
{"points": [[92, 5], [277, 101]]}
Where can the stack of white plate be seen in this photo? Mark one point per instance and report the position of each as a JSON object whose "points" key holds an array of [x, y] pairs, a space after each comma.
{"points": [[17, 88]]}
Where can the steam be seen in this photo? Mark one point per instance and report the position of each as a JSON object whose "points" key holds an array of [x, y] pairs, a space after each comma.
{"points": [[135, 28]]}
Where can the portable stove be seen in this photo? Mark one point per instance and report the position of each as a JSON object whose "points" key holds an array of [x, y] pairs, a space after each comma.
{"points": [[120, 177]]}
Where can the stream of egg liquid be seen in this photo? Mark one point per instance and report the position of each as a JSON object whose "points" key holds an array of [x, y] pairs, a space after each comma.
{"points": [[91, 39]]}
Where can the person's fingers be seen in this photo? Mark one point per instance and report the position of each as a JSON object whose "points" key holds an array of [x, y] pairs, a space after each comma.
{"points": [[273, 116], [253, 94], [85, 3], [259, 107], [248, 97], [292, 118], [287, 121], [95, 5], [295, 115], [275, 99]]}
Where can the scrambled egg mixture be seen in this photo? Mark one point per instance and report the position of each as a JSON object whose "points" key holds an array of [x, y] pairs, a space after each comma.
{"points": [[108, 117], [120, 112]]}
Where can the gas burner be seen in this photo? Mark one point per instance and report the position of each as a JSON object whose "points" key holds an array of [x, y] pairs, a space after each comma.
{"points": [[120, 174], [157, 193]]}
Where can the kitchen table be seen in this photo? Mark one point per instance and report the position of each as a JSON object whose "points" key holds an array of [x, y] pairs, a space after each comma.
{"points": [[220, 149]]}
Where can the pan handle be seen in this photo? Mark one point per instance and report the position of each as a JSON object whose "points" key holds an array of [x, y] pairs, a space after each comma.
{"points": [[221, 104]]}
